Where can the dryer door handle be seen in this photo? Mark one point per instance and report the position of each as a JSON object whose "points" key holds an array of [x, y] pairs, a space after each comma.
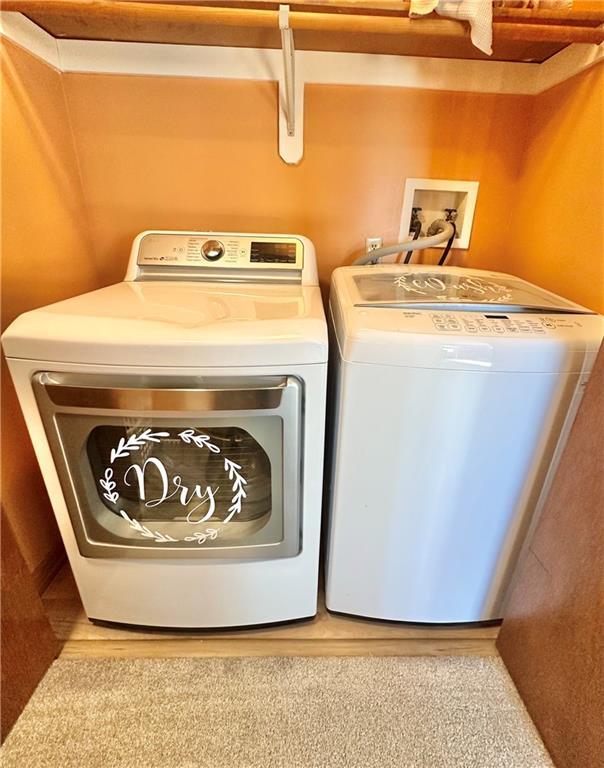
{"points": [[261, 393]]}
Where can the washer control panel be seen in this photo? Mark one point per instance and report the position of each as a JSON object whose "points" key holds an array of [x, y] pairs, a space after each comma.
{"points": [[220, 250], [498, 324]]}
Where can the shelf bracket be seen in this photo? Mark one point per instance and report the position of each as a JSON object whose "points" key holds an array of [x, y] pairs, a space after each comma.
{"points": [[291, 96]]}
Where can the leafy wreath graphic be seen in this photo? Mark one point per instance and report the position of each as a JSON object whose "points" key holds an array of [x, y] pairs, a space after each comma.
{"points": [[134, 443], [483, 291]]}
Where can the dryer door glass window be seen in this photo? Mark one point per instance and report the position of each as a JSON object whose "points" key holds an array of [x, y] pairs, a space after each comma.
{"points": [[205, 484], [219, 481]]}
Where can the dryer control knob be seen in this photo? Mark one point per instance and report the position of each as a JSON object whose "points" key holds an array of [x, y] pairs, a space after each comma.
{"points": [[212, 250]]}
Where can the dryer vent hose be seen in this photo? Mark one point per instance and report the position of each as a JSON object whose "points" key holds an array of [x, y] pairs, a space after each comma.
{"points": [[440, 231]]}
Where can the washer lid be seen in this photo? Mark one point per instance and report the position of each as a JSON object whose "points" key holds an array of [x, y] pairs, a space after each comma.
{"points": [[176, 324], [457, 319], [455, 289]]}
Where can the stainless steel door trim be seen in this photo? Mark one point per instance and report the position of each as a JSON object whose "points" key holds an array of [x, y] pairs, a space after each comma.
{"points": [[67, 458], [80, 488], [74, 394]]}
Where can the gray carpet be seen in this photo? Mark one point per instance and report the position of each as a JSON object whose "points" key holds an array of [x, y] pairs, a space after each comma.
{"points": [[408, 712]]}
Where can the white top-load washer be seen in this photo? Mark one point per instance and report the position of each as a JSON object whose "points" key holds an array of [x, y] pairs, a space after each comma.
{"points": [[178, 420], [454, 390]]}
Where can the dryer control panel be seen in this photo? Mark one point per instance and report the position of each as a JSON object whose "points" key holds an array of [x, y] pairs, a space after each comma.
{"points": [[220, 251], [236, 257]]}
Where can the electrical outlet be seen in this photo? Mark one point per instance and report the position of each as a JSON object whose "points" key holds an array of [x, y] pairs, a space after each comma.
{"points": [[434, 196], [372, 244]]}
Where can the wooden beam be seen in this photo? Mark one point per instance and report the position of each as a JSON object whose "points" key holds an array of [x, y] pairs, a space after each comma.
{"points": [[550, 32], [232, 647], [580, 10], [137, 12]]}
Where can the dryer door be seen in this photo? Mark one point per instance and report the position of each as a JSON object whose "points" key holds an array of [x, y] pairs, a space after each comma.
{"points": [[179, 468]]}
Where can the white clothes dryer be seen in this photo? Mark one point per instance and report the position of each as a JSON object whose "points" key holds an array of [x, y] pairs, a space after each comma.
{"points": [[454, 391], [178, 420]]}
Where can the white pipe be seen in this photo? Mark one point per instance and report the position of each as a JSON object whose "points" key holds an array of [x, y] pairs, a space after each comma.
{"points": [[445, 231]]}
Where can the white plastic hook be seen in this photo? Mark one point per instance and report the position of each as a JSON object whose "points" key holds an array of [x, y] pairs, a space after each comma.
{"points": [[291, 95]]}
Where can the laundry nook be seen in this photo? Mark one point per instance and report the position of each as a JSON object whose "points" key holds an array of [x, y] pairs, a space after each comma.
{"points": [[302, 383]]}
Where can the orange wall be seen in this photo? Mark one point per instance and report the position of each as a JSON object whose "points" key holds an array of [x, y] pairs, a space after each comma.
{"points": [[164, 152], [557, 225], [46, 257]]}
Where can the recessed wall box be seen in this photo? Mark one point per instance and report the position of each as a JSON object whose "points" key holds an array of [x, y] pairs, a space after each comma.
{"points": [[434, 196]]}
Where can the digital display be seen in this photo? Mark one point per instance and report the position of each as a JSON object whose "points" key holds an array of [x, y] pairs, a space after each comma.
{"points": [[273, 253]]}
